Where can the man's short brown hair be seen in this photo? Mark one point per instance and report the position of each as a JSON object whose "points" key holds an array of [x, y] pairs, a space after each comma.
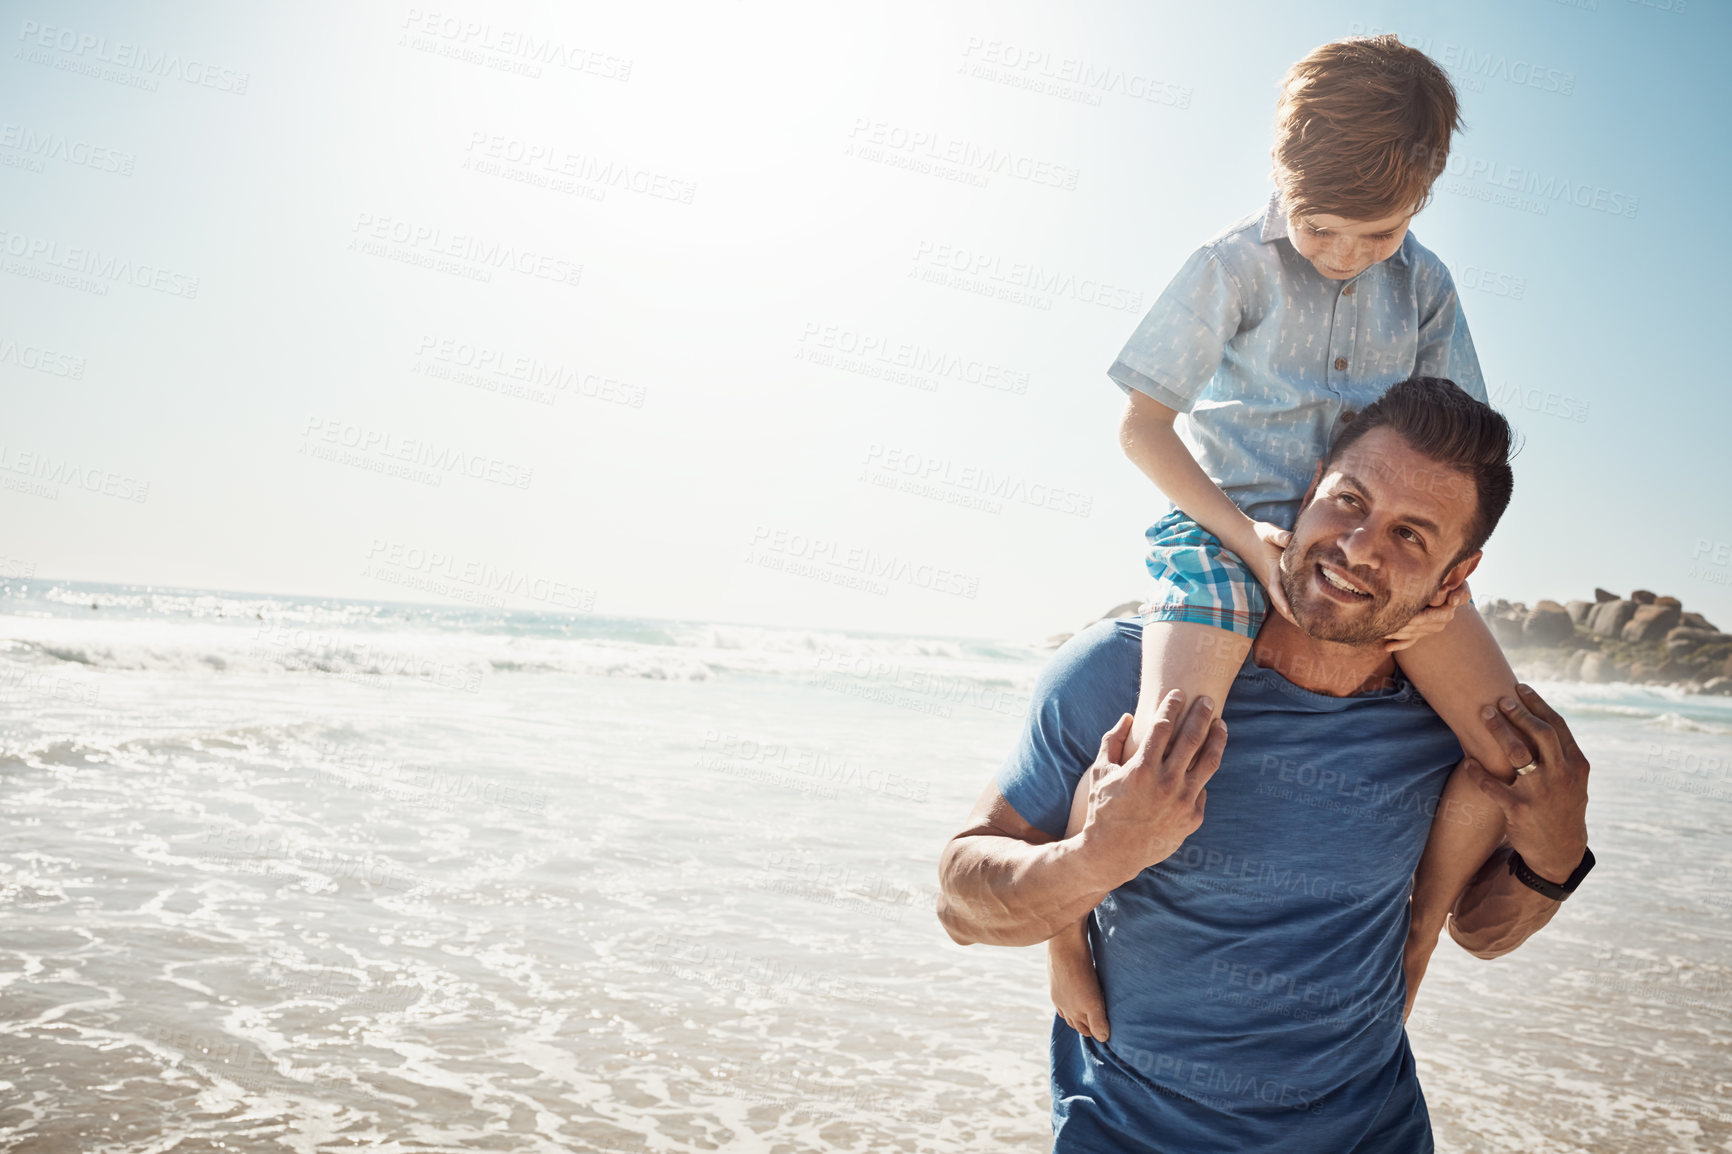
{"points": [[1362, 129], [1438, 419]]}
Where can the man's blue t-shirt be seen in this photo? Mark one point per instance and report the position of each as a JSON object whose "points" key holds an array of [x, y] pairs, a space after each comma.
{"points": [[1253, 980]]}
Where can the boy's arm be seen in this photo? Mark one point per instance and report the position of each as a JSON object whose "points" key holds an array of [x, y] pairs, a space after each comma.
{"points": [[1146, 432], [1496, 912]]}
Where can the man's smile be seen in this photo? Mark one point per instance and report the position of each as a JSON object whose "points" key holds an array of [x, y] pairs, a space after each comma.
{"points": [[1339, 585]]}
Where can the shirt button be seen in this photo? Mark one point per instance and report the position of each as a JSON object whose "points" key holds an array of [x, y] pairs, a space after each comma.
{"points": [[1348, 291], [1347, 415], [1340, 363]]}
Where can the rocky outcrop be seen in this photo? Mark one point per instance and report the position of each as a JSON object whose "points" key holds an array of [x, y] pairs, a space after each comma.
{"points": [[1642, 637], [1651, 622], [1684, 639], [1548, 624], [1610, 617]]}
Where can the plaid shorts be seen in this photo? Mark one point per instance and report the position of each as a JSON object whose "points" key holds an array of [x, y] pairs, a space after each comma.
{"points": [[1198, 579]]}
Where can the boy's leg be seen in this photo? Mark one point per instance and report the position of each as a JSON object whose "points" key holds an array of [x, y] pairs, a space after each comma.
{"points": [[1459, 672], [1201, 660]]}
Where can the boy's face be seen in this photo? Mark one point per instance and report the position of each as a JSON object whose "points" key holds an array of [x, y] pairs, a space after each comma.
{"points": [[1340, 248]]}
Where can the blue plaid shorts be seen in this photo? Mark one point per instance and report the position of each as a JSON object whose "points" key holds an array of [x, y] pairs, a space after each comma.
{"points": [[1199, 579]]}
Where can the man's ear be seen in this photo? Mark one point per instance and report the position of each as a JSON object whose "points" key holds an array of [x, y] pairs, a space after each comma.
{"points": [[1458, 572]]}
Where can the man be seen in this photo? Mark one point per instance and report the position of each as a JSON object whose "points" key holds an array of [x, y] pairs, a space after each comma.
{"points": [[1250, 949]]}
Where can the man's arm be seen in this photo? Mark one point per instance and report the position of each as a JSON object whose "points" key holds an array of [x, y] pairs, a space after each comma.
{"points": [[1547, 821], [1006, 883]]}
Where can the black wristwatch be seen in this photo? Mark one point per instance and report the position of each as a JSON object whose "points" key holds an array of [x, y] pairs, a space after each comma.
{"points": [[1552, 890]]}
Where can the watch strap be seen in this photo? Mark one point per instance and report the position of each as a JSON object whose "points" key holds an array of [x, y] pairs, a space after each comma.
{"points": [[1550, 889]]}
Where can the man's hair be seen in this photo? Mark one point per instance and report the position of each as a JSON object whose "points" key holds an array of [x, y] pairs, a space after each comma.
{"points": [[1362, 129], [1441, 422]]}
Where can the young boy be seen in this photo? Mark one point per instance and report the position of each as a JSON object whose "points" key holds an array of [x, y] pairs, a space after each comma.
{"points": [[1270, 338]]}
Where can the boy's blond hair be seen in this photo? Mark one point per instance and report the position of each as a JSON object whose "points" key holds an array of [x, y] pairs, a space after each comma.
{"points": [[1362, 129]]}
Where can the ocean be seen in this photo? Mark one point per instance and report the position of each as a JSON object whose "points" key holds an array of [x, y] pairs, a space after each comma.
{"points": [[294, 874]]}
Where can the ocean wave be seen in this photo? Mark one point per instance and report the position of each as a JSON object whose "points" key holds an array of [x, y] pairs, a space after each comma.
{"points": [[65, 651], [1678, 723]]}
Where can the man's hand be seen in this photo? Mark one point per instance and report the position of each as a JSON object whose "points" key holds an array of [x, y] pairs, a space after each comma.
{"points": [[1142, 808], [1546, 810], [1427, 621]]}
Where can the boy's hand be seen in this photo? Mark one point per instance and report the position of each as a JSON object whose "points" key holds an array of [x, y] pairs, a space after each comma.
{"points": [[1428, 621], [1266, 564]]}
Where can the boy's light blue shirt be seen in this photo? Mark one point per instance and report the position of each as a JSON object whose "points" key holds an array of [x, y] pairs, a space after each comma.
{"points": [[1264, 354]]}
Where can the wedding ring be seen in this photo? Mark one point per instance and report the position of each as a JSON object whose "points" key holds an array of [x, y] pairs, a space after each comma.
{"points": [[1524, 770]]}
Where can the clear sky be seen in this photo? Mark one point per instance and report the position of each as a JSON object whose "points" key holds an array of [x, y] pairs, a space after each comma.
{"points": [[807, 313]]}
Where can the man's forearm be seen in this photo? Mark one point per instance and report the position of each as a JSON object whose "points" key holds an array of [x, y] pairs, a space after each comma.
{"points": [[1001, 891], [1496, 912]]}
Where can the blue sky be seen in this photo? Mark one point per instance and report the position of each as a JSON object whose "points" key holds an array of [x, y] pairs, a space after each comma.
{"points": [[780, 315]]}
